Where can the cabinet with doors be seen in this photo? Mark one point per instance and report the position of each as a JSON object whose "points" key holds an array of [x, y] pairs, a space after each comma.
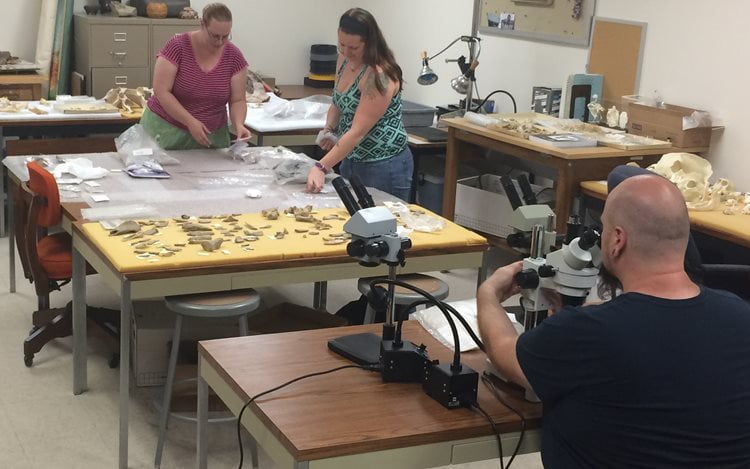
{"points": [[111, 51]]}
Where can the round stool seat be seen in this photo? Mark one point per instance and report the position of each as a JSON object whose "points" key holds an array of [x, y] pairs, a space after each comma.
{"points": [[215, 304], [402, 296]]}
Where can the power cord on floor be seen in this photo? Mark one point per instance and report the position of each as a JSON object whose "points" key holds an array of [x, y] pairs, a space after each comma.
{"points": [[494, 431], [373, 367], [488, 382]]}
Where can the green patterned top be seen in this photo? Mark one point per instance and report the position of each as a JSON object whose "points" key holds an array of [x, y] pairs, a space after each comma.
{"points": [[386, 139]]}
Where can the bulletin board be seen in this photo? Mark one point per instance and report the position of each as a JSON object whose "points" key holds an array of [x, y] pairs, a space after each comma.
{"points": [[559, 21], [617, 53]]}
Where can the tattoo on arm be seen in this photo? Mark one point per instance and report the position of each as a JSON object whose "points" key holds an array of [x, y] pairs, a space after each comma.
{"points": [[370, 88]]}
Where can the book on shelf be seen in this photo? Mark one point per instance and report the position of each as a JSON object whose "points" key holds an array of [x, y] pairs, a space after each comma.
{"points": [[564, 140]]}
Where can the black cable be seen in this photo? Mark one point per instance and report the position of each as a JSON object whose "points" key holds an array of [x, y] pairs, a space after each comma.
{"points": [[252, 399], [542, 190], [494, 430], [488, 382], [456, 349], [515, 108], [458, 316]]}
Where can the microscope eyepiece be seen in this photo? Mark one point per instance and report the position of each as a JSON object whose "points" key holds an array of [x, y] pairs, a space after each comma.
{"points": [[345, 195], [588, 239]]}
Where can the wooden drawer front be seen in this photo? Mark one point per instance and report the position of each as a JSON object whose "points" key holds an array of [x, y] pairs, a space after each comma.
{"points": [[119, 45], [104, 79], [17, 93]]}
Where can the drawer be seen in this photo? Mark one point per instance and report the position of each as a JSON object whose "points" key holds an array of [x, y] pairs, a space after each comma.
{"points": [[119, 45], [104, 79], [18, 92]]}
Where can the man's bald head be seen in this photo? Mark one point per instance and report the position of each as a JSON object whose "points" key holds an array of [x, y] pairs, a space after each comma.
{"points": [[652, 212]]}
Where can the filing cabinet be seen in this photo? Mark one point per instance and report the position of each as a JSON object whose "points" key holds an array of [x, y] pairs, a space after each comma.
{"points": [[111, 51]]}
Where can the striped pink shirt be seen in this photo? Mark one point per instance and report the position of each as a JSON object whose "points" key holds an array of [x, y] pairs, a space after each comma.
{"points": [[203, 94]]}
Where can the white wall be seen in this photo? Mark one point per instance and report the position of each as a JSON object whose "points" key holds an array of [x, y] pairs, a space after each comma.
{"points": [[20, 21], [700, 64]]}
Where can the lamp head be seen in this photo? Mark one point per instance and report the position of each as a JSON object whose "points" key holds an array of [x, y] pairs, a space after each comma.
{"points": [[426, 76], [461, 84]]}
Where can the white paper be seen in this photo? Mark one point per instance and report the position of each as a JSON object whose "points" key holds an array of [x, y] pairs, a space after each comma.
{"points": [[99, 197], [92, 184]]}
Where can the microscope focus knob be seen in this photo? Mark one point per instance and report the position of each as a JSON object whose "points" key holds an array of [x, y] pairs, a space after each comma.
{"points": [[546, 271], [377, 249], [405, 244], [527, 278], [356, 248]]}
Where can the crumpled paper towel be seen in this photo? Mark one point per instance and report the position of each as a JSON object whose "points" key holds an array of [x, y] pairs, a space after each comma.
{"points": [[81, 168]]}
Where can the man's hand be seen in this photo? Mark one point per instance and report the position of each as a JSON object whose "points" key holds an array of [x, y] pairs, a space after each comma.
{"points": [[315, 180], [199, 132], [502, 283]]}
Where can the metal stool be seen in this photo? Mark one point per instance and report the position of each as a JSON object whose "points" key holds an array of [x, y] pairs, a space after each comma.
{"points": [[232, 304], [402, 296]]}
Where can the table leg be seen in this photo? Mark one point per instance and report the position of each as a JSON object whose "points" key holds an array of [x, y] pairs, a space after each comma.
{"points": [[320, 295], [2, 184], [201, 444], [451, 174], [80, 371], [11, 242], [414, 176], [564, 190], [125, 306]]}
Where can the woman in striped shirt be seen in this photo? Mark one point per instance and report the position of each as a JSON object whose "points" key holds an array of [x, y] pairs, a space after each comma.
{"points": [[196, 75]]}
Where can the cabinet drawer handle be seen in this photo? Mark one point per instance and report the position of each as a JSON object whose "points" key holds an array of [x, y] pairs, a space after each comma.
{"points": [[120, 55], [120, 37], [121, 80]]}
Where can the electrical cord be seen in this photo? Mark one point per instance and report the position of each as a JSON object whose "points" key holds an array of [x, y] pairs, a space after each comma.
{"points": [[488, 382], [458, 316], [494, 430], [515, 108], [397, 336], [299, 378]]}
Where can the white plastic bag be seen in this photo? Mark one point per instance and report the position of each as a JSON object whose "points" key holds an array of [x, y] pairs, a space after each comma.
{"points": [[136, 147]]}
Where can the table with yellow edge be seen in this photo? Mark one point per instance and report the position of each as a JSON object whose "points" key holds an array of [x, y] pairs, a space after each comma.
{"points": [[732, 228], [297, 258]]}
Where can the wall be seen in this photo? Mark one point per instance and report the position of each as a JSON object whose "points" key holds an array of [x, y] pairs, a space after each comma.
{"points": [[19, 27], [696, 65]]}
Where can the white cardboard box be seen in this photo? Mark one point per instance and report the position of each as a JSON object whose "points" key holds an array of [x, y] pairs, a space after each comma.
{"points": [[481, 204], [151, 338]]}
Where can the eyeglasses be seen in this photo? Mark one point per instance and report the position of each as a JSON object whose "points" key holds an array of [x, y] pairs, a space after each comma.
{"points": [[219, 37]]}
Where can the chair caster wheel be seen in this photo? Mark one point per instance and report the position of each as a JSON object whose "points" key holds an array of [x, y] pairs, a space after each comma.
{"points": [[28, 360], [114, 361]]}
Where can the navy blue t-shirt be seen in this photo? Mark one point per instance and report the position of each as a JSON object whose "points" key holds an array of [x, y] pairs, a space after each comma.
{"points": [[644, 382]]}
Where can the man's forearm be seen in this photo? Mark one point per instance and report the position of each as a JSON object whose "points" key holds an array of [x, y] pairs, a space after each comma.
{"points": [[498, 335]]}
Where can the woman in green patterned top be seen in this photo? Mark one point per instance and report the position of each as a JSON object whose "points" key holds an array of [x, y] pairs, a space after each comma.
{"points": [[366, 112]]}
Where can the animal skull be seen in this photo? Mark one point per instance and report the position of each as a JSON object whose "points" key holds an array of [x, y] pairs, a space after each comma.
{"points": [[690, 173]]}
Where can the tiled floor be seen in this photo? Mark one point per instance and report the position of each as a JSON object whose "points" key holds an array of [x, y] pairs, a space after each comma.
{"points": [[42, 425]]}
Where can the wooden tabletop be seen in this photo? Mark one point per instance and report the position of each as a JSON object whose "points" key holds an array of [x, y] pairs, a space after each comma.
{"points": [[351, 411], [563, 153], [22, 79]]}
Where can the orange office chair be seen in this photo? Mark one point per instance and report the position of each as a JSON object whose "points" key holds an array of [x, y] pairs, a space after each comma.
{"points": [[46, 260]]}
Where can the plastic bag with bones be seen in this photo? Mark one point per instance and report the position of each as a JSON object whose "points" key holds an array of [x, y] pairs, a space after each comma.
{"points": [[128, 99]]}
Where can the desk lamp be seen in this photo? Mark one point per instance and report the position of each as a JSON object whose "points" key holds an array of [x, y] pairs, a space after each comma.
{"points": [[462, 84]]}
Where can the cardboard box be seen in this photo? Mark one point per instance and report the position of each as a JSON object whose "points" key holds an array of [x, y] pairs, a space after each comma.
{"points": [[481, 204], [666, 124]]}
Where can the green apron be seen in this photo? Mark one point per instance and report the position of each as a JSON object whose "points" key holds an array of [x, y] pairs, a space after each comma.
{"points": [[170, 137]]}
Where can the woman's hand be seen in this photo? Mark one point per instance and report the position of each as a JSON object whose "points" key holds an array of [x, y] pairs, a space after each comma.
{"points": [[315, 180], [242, 133], [326, 144], [199, 132]]}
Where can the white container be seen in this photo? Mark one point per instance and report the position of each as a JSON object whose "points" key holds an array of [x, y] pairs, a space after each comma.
{"points": [[481, 204]]}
